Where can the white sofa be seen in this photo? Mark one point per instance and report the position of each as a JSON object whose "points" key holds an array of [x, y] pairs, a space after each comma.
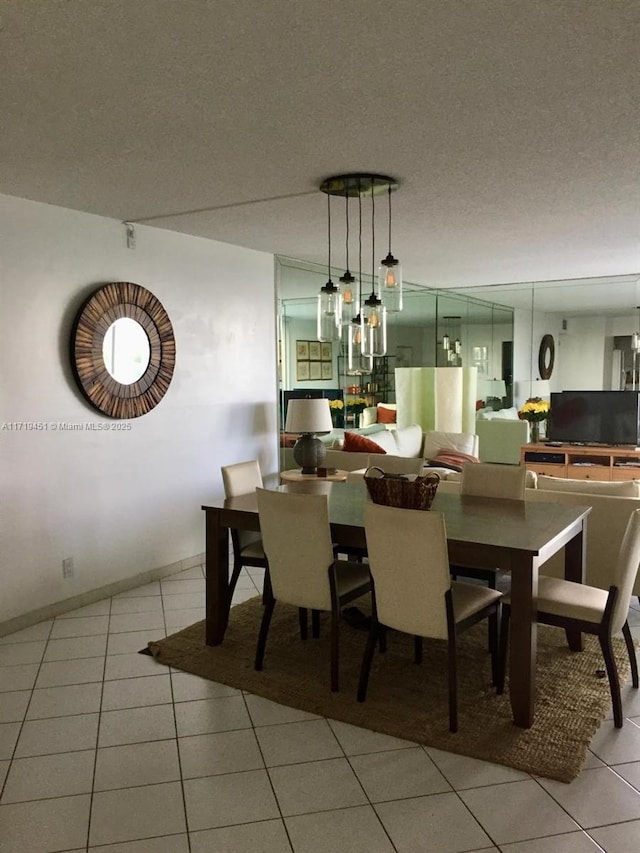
{"points": [[611, 504], [406, 442]]}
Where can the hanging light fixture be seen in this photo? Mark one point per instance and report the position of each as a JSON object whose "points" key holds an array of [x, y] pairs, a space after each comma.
{"points": [[350, 303], [357, 364], [329, 298], [374, 311], [368, 329], [390, 275]]}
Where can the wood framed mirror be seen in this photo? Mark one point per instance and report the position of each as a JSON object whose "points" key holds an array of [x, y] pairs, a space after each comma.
{"points": [[123, 350], [546, 357]]}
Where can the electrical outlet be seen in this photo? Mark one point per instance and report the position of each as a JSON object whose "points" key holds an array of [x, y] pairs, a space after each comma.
{"points": [[67, 568]]}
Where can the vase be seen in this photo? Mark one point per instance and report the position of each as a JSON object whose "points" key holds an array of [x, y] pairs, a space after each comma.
{"points": [[534, 432]]}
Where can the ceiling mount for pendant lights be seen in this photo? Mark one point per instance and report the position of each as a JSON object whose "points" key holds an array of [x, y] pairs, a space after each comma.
{"points": [[372, 312]]}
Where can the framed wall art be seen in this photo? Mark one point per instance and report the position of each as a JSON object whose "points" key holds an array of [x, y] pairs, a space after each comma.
{"points": [[314, 361]]}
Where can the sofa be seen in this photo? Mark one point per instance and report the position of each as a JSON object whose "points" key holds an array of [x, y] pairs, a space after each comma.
{"points": [[408, 442], [611, 504]]}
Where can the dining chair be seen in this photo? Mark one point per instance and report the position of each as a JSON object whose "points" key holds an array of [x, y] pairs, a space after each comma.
{"points": [[591, 610], [241, 479], [488, 480], [412, 589], [302, 569]]}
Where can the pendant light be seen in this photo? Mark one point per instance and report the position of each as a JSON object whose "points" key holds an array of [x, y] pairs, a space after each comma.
{"points": [[350, 304], [329, 298], [390, 275], [357, 363], [374, 311], [370, 316]]}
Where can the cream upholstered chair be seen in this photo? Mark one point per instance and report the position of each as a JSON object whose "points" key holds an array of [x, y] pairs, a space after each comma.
{"points": [[302, 568], [241, 479], [486, 480], [591, 610], [412, 589]]}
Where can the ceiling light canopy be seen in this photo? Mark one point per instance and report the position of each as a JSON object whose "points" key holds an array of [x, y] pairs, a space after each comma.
{"points": [[345, 304]]}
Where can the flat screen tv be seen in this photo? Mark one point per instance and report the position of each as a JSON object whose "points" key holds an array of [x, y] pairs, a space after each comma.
{"points": [[595, 417]]}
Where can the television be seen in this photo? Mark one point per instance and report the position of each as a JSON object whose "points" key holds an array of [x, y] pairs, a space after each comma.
{"points": [[595, 417]]}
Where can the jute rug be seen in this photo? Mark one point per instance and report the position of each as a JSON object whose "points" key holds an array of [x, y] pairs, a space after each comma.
{"points": [[410, 701]]}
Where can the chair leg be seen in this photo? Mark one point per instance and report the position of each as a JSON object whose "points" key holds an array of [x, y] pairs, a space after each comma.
{"points": [[503, 648], [302, 619], [315, 624], [267, 613], [612, 672], [417, 649], [237, 568], [453, 686], [335, 648], [365, 668], [626, 632], [382, 635], [493, 644]]}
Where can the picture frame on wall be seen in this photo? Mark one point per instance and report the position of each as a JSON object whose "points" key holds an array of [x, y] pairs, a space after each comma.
{"points": [[315, 370], [302, 371], [326, 351], [327, 369], [315, 351], [302, 350]]}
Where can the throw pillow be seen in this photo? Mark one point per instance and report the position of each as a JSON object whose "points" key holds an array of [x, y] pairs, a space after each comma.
{"points": [[622, 489], [453, 459], [435, 441], [360, 444], [386, 416], [409, 440]]}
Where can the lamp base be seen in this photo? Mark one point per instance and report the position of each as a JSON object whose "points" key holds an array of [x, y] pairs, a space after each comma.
{"points": [[309, 452]]}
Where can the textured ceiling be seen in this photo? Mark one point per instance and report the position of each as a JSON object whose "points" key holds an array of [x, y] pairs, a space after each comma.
{"points": [[512, 127]]}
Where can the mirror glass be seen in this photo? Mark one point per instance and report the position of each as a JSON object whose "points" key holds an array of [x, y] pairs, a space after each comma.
{"points": [[126, 351]]}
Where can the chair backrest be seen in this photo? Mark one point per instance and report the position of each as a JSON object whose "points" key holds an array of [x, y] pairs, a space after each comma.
{"points": [[484, 479], [409, 565], [396, 464], [297, 541], [626, 570], [241, 478]]}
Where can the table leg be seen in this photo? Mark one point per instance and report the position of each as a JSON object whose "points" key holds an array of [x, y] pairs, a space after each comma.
{"points": [[523, 639], [574, 570], [217, 578]]}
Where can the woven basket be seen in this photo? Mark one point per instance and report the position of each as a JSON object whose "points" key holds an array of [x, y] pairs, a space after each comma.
{"points": [[406, 491]]}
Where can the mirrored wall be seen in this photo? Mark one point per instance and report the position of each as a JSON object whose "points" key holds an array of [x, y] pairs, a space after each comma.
{"points": [[436, 328]]}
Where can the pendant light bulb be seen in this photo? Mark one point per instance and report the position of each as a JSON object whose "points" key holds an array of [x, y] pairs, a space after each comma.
{"points": [[329, 313], [390, 275], [446, 342]]}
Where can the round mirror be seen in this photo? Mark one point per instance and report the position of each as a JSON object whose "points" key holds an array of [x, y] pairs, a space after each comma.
{"points": [[123, 351], [126, 350]]}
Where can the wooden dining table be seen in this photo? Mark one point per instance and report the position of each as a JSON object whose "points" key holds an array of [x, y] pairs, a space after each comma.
{"points": [[516, 536]]}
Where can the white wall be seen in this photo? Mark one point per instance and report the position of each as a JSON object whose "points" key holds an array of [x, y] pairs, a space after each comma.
{"points": [[122, 502]]}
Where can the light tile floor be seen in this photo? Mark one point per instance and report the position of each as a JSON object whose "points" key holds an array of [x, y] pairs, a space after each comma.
{"points": [[104, 750]]}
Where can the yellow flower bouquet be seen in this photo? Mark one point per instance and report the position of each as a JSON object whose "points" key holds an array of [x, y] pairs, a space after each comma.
{"points": [[534, 411]]}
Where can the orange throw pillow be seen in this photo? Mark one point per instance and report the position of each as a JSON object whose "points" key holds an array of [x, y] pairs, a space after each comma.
{"points": [[360, 444], [453, 459], [386, 416]]}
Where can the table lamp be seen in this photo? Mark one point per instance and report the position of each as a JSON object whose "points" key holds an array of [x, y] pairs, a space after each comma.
{"points": [[308, 417]]}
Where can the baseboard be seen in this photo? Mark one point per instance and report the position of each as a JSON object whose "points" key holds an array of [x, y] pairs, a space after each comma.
{"points": [[50, 611]]}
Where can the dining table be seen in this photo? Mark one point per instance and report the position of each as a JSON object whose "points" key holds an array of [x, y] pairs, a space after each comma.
{"points": [[514, 536]]}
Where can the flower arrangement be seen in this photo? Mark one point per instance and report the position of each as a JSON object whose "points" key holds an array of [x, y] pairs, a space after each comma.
{"points": [[336, 408], [336, 405], [535, 410], [356, 405]]}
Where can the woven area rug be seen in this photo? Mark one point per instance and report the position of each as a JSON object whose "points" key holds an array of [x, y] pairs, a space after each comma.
{"points": [[410, 701]]}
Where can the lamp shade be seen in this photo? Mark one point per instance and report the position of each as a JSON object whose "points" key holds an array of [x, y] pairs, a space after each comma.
{"points": [[492, 388], [308, 416], [540, 388]]}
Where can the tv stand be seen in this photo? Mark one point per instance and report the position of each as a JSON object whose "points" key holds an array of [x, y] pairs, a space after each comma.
{"points": [[582, 462]]}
